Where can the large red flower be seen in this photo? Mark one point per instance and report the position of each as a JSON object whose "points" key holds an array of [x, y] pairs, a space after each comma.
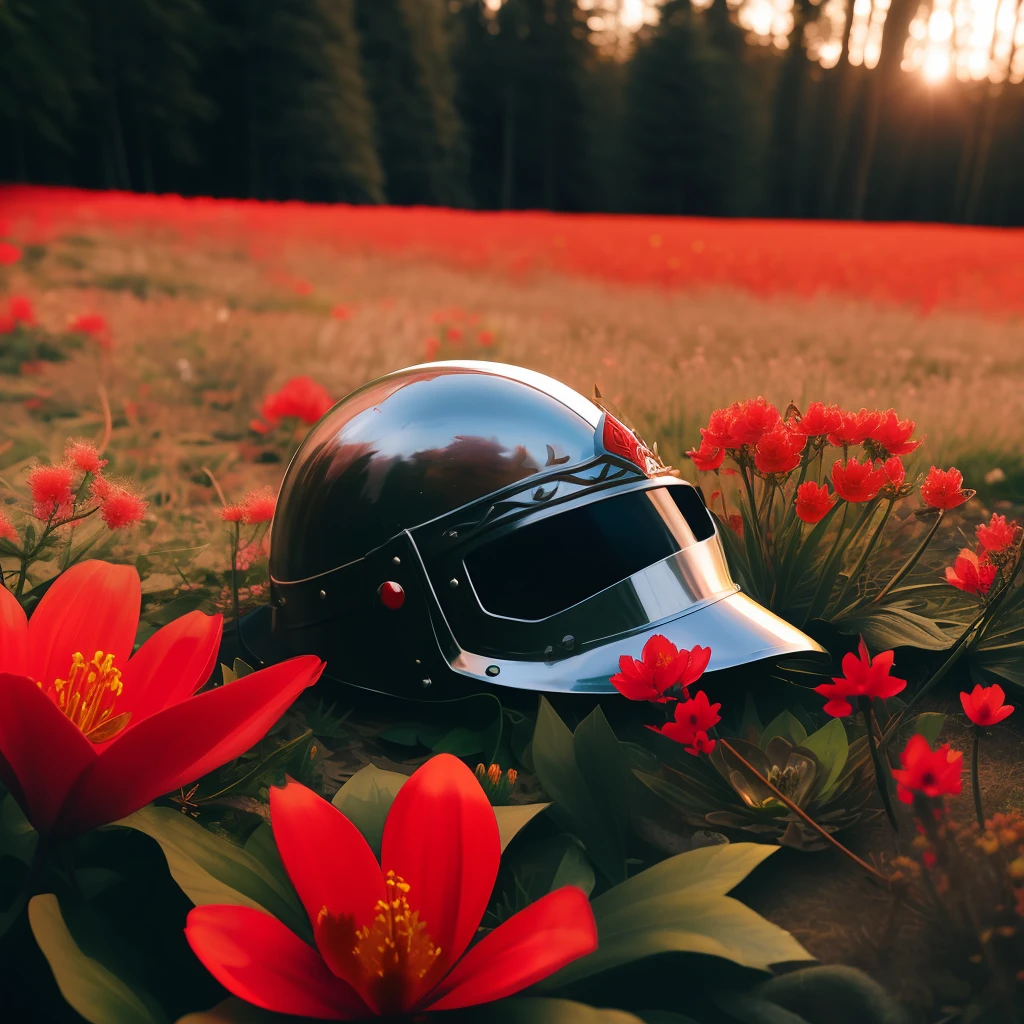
{"points": [[708, 457], [997, 534], [390, 936], [661, 666], [943, 488], [779, 450], [894, 434], [971, 574], [818, 420], [89, 734], [932, 773], [301, 398], [753, 419], [863, 676], [984, 704], [857, 481], [855, 428]]}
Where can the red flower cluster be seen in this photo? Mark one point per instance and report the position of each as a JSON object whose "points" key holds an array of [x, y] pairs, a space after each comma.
{"points": [[943, 488], [855, 481], [666, 673], [19, 312], [863, 676], [930, 773], [779, 451], [51, 491], [997, 534], [301, 398], [256, 507], [984, 705], [95, 326]]}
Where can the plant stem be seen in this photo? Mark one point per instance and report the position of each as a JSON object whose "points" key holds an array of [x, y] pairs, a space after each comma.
{"points": [[806, 818], [862, 561], [881, 776], [234, 572], [975, 782], [913, 559]]}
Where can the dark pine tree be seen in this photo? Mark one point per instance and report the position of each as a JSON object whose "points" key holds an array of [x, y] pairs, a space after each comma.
{"points": [[411, 84]]}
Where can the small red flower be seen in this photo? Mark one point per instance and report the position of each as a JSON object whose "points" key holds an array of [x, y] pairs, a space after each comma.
{"points": [[9, 254], [753, 419], [971, 574], [779, 450], [391, 935], [997, 534], [259, 427], [21, 310], [895, 472], [84, 455], [736, 524], [120, 507], [51, 491], [258, 506], [661, 666], [813, 501], [707, 458], [690, 717], [932, 773], [431, 347], [855, 481], [485, 338], [984, 705], [894, 434], [719, 433], [863, 676], [301, 398], [94, 325], [943, 488], [233, 513], [7, 530], [700, 744], [855, 428], [818, 420], [454, 334], [341, 312]]}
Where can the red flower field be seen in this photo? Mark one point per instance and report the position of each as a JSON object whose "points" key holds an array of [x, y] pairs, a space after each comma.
{"points": [[927, 266]]}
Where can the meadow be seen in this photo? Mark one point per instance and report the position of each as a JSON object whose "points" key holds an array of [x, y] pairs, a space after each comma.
{"points": [[166, 329]]}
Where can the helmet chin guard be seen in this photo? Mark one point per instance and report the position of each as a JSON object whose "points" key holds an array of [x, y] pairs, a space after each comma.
{"points": [[470, 523]]}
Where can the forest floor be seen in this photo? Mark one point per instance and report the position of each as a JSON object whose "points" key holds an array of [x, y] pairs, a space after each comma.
{"points": [[201, 330]]}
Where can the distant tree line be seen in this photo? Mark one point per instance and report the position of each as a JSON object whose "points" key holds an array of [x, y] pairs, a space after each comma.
{"points": [[450, 102]]}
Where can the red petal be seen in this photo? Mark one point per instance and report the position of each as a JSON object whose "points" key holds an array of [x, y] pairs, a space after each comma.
{"points": [[182, 743], [171, 665], [13, 635], [556, 930], [441, 836], [94, 606], [43, 751], [327, 859], [258, 959]]}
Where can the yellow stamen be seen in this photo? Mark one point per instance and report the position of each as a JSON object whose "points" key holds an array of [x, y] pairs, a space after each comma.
{"points": [[393, 953], [88, 695]]}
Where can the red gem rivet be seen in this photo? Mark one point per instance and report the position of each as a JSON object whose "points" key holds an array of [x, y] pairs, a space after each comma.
{"points": [[391, 594]]}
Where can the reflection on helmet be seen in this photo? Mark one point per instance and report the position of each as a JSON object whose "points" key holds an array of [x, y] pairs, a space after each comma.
{"points": [[465, 522]]}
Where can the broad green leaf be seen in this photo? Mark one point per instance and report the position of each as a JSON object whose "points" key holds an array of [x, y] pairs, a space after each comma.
{"points": [[929, 724], [833, 993], [786, 725], [95, 992], [209, 869], [893, 625], [367, 797], [539, 1010], [680, 906], [460, 741], [831, 747], [584, 808]]}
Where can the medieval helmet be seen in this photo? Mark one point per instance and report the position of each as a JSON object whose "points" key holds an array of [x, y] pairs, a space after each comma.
{"points": [[459, 524]]}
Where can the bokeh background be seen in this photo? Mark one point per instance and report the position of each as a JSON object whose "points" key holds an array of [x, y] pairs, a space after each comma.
{"points": [[878, 109]]}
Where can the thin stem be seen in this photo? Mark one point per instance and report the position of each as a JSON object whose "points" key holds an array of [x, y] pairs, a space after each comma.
{"points": [[806, 818], [913, 559], [108, 423], [866, 554], [234, 571], [881, 776], [975, 782]]}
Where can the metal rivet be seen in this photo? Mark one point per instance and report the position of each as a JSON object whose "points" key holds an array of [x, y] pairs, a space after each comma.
{"points": [[281, 602], [493, 670], [396, 560], [418, 662], [548, 651], [453, 583], [568, 642], [323, 594], [426, 683]]}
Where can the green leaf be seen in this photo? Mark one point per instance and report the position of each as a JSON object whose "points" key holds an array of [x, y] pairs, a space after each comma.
{"points": [[929, 724], [539, 1010], [241, 669], [748, 1009], [95, 992], [227, 675], [832, 748], [367, 797], [833, 994], [894, 625], [591, 804], [680, 906], [237, 1011], [786, 725], [209, 869], [18, 838], [460, 741]]}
